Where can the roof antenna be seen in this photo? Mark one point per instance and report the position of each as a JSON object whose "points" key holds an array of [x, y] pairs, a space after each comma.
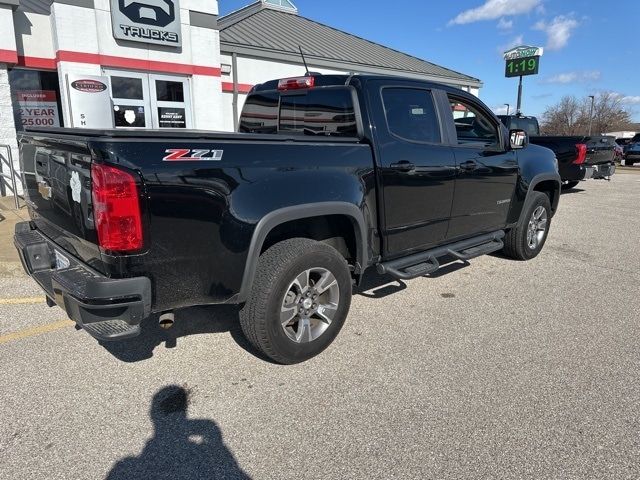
{"points": [[308, 74]]}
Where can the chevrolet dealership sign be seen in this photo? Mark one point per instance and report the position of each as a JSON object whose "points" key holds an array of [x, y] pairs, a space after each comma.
{"points": [[147, 21]]}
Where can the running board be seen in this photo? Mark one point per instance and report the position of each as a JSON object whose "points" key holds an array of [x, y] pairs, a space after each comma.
{"points": [[424, 263]]}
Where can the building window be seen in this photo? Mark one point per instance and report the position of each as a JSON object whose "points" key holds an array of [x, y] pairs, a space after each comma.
{"points": [[129, 88], [35, 97], [167, 91], [284, 4]]}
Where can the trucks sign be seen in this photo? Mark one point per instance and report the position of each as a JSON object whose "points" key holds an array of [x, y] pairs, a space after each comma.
{"points": [[147, 21]]}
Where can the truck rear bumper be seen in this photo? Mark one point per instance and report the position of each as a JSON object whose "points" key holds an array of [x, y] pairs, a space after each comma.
{"points": [[586, 172], [108, 309], [604, 170]]}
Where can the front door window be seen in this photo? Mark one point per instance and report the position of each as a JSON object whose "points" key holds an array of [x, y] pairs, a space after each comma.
{"points": [[472, 125]]}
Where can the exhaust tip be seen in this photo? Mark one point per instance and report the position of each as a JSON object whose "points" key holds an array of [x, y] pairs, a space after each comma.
{"points": [[167, 320]]}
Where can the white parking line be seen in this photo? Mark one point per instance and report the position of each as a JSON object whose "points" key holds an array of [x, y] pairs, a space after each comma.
{"points": [[32, 332], [21, 301]]}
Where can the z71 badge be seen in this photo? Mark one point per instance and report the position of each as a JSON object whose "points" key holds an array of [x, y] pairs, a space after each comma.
{"points": [[188, 155]]}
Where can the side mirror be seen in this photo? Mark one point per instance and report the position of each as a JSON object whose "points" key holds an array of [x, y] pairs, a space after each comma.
{"points": [[519, 139]]}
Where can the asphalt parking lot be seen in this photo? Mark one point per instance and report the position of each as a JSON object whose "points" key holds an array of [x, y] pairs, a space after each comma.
{"points": [[497, 369]]}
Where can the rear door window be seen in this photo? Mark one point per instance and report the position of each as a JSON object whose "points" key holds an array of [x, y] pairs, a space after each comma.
{"points": [[326, 111], [411, 114]]}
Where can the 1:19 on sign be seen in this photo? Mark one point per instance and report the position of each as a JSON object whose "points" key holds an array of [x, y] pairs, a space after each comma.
{"points": [[522, 66]]}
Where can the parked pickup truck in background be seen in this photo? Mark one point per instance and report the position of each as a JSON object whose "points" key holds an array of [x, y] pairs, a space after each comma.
{"points": [[632, 156], [333, 176], [579, 157]]}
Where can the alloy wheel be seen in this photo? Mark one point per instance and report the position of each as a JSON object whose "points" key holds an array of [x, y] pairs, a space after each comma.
{"points": [[537, 227], [309, 305]]}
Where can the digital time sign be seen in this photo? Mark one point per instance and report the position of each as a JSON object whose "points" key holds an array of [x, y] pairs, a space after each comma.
{"points": [[520, 67]]}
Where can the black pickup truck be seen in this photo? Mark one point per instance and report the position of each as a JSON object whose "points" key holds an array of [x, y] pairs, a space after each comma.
{"points": [[329, 177], [579, 157]]}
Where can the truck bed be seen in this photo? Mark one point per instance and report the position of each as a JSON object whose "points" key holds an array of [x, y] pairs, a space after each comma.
{"points": [[189, 206], [600, 148]]}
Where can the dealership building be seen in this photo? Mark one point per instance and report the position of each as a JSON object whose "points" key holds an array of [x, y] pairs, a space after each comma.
{"points": [[167, 63]]}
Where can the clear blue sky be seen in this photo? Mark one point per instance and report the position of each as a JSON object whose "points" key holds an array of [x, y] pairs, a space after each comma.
{"points": [[589, 43]]}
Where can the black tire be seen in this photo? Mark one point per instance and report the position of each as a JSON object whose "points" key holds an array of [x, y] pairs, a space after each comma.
{"points": [[516, 244], [277, 268], [569, 185]]}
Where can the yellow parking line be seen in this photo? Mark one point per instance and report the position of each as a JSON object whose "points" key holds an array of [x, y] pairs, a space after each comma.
{"points": [[32, 332], [21, 301]]}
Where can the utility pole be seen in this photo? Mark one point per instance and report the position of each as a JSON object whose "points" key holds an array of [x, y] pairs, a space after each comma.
{"points": [[508, 105], [519, 108], [593, 99]]}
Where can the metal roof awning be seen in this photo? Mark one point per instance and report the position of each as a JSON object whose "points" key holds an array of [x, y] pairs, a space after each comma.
{"points": [[264, 32]]}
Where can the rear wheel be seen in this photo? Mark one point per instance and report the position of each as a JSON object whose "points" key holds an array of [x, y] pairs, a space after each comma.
{"points": [[569, 185], [299, 301], [525, 241]]}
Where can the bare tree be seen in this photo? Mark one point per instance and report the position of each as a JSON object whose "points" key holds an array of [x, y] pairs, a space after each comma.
{"points": [[571, 115], [608, 113], [564, 118]]}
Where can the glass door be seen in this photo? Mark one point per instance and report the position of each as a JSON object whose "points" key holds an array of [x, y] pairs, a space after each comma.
{"points": [[170, 101], [143, 100], [130, 95]]}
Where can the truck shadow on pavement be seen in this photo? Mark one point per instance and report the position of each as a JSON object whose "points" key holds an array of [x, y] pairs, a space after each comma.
{"points": [[378, 286], [206, 320], [181, 447], [571, 191], [191, 321]]}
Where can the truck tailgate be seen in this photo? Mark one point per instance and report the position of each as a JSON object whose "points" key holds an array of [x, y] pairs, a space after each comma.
{"points": [[600, 149], [56, 175]]}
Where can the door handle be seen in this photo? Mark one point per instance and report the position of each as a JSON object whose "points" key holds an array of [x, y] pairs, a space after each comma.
{"points": [[403, 166], [468, 166]]}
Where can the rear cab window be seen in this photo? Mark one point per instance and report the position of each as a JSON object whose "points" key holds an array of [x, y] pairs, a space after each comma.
{"points": [[319, 111], [529, 125]]}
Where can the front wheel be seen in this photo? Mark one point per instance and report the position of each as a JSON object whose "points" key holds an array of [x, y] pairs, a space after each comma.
{"points": [[525, 241], [299, 301]]}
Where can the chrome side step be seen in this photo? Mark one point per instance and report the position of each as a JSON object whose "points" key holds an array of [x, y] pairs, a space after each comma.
{"points": [[424, 263]]}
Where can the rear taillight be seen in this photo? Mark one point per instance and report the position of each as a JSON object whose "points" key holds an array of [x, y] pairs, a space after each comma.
{"points": [[116, 209], [296, 83], [581, 154]]}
